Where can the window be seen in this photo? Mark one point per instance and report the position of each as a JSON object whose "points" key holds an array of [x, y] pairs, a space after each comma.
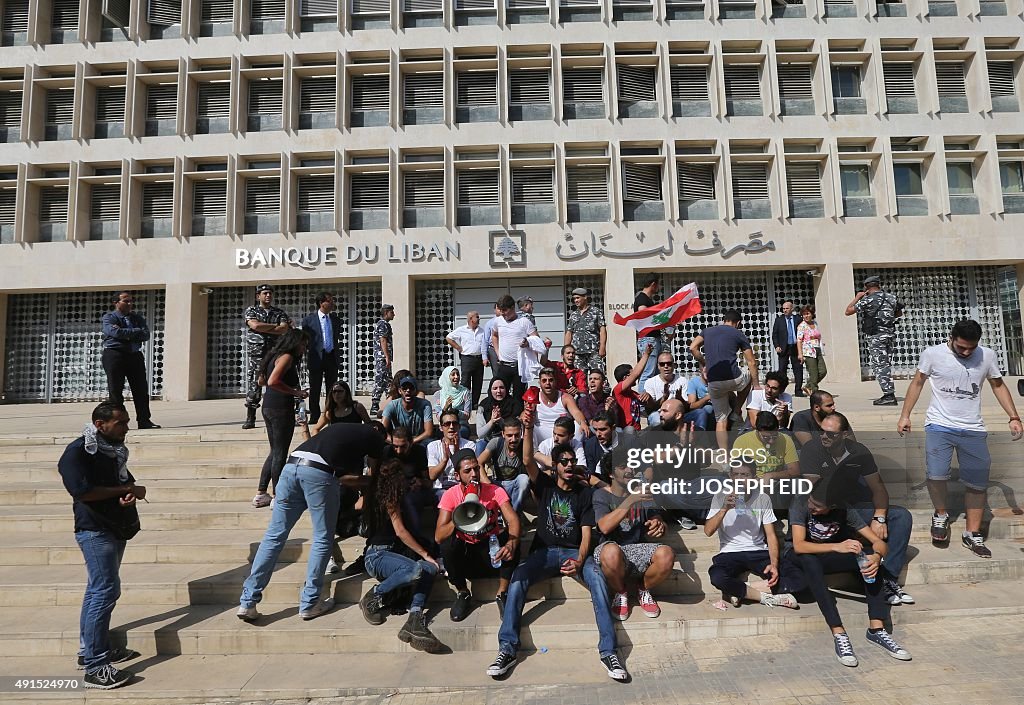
{"points": [[952, 86], [262, 205], [641, 182], [209, 199], [369, 192], [266, 16], [161, 14], [476, 96], [14, 22], [696, 181], [161, 109], [8, 213], [749, 181], [586, 184], [157, 209], [317, 102], [64, 21], [1011, 177], [583, 92], [526, 86], [265, 104], [109, 112], [104, 211], [689, 84], [855, 180], [423, 98], [213, 105], [371, 98], [1000, 78], [900, 94], [423, 189], [53, 213], [960, 178], [743, 89], [60, 105], [846, 81], [907, 178], [315, 200], [795, 82], [803, 180], [10, 116], [637, 83], [478, 198], [215, 17], [318, 14]]}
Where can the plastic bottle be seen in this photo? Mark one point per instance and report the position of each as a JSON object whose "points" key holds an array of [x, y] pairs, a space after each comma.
{"points": [[493, 549], [302, 411], [863, 562], [741, 505]]}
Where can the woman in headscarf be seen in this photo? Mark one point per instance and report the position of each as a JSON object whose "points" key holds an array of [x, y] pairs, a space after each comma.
{"points": [[497, 406], [454, 396]]}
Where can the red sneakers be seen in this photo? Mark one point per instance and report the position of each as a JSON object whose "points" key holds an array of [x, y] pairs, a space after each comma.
{"points": [[620, 606], [648, 604]]}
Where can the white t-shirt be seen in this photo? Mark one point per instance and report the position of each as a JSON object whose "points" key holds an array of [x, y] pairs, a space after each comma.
{"points": [[435, 451], [743, 532], [546, 447], [956, 385], [757, 402], [655, 386], [510, 335]]}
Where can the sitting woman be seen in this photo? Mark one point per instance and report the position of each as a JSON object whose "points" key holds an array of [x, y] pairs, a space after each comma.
{"points": [[453, 396], [494, 409], [341, 408], [387, 559]]}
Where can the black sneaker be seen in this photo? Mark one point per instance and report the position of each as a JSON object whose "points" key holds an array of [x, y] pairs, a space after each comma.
{"points": [[500, 600], [502, 664], [355, 567], [372, 606], [118, 655], [616, 671], [895, 594], [975, 543], [940, 528], [461, 607], [107, 678], [886, 400]]}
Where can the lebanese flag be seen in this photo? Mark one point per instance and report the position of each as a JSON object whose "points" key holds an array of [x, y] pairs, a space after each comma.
{"points": [[683, 304]]}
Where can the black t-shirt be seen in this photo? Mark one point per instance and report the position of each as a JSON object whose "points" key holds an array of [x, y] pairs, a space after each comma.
{"points": [[642, 299], [345, 446], [81, 473], [382, 531], [844, 480], [273, 399], [561, 515], [804, 421], [414, 463], [838, 525]]}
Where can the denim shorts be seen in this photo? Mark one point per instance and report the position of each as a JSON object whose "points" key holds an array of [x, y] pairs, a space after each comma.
{"points": [[971, 453]]}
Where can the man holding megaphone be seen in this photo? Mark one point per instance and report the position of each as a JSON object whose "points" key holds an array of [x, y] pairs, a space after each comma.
{"points": [[468, 532]]}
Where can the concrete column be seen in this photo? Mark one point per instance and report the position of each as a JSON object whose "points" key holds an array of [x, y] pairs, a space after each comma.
{"points": [[399, 289], [3, 337], [184, 343], [1020, 302], [833, 290], [618, 298]]}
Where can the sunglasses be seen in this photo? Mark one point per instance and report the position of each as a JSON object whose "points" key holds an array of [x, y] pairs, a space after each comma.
{"points": [[446, 424], [565, 461], [665, 364], [831, 434]]}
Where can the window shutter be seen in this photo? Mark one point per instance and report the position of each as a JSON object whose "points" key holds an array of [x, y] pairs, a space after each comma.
{"points": [[423, 90], [316, 193], [423, 189], [370, 191], [53, 204], [637, 83], [696, 181], [422, 6], [209, 198], [118, 12], [529, 86], [158, 200], [1000, 78], [950, 78], [371, 92], [477, 88], [213, 11], [164, 12], [689, 82], [8, 205], [65, 15], [263, 196], [105, 202], [214, 99], [15, 16], [267, 10], [899, 79], [318, 8], [580, 3], [265, 97], [795, 82], [478, 187], [474, 5], [371, 7], [526, 4], [60, 105], [110, 104], [749, 181], [317, 94], [642, 182], [742, 82], [586, 184], [804, 179], [10, 108], [583, 85], [533, 185], [162, 102]]}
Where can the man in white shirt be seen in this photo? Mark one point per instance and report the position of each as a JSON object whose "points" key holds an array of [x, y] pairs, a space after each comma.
{"points": [[509, 334], [957, 371], [468, 341], [772, 397], [662, 387], [441, 452]]}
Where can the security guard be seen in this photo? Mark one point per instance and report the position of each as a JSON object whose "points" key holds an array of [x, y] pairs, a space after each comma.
{"points": [[879, 312], [264, 323]]}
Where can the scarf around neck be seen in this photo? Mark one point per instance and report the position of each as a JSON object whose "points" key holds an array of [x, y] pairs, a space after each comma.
{"points": [[95, 442]]}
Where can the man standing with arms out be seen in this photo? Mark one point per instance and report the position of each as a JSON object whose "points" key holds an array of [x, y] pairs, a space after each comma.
{"points": [[509, 334], [586, 332], [124, 332], [94, 469], [645, 299], [958, 370], [879, 310], [721, 343], [786, 346], [322, 326], [468, 341], [383, 356], [264, 323]]}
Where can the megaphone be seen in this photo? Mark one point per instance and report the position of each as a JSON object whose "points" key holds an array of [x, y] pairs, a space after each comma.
{"points": [[470, 517]]}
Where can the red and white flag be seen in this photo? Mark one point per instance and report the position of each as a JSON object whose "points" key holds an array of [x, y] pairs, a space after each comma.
{"points": [[683, 304]]}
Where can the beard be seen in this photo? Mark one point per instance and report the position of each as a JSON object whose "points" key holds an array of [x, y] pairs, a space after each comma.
{"points": [[670, 424]]}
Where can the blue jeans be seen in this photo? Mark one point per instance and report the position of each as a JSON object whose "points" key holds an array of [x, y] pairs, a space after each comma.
{"points": [[395, 571], [516, 489], [299, 488], [703, 419], [546, 563], [900, 523], [102, 552], [651, 368]]}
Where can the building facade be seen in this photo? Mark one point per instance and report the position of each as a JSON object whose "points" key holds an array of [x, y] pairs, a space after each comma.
{"points": [[435, 154]]}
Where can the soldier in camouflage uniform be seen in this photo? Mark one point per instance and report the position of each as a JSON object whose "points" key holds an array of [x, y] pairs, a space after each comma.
{"points": [[586, 332], [383, 355], [263, 324], [879, 312]]}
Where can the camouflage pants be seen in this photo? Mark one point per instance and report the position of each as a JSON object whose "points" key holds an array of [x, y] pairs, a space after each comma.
{"points": [[381, 379], [880, 352], [253, 390], [589, 361]]}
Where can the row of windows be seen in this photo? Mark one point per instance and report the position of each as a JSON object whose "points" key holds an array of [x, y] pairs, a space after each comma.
{"points": [[66, 21], [520, 185], [215, 98]]}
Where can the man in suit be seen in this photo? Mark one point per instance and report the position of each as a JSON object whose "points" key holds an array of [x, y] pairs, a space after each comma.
{"points": [[786, 345], [323, 327]]}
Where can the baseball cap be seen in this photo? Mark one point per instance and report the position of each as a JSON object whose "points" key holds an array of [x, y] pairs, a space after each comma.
{"points": [[263, 287], [408, 382], [873, 279], [387, 307], [524, 300], [581, 291]]}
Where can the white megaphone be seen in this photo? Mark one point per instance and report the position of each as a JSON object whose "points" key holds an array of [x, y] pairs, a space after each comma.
{"points": [[471, 516]]}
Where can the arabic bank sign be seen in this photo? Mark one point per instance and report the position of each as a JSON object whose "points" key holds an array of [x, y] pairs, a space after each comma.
{"points": [[310, 258], [638, 246]]}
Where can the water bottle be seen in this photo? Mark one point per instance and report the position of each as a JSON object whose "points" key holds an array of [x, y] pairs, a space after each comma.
{"points": [[863, 562], [302, 411], [741, 505], [493, 549]]}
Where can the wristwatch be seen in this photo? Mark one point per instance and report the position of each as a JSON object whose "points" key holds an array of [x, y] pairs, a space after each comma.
{"points": [[879, 519]]}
